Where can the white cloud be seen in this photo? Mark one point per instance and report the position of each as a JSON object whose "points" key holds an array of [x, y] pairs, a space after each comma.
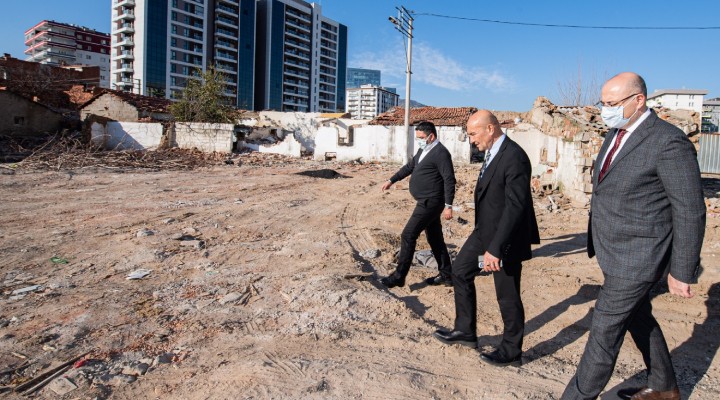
{"points": [[433, 67]]}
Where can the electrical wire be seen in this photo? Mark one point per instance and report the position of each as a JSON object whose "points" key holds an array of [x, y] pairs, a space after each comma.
{"points": [[493, 21]]}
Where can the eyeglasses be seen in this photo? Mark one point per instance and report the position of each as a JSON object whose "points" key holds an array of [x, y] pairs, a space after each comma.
{"points": [[600, 103]]}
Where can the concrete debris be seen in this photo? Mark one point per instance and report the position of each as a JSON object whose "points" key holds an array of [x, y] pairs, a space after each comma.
{"points": [[425, 259], [230, 298], [370, 254], [198, 244], [61, 386], [144, 233], [136, 369], [138, 274], [28, 289]]}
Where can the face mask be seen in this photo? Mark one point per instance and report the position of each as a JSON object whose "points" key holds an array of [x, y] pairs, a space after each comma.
{"points": [[614, 116], [421, 143]]}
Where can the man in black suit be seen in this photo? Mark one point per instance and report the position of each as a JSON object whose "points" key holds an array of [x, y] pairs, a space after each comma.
{"points": [[648, 217], [432, 184], [505, 227]]}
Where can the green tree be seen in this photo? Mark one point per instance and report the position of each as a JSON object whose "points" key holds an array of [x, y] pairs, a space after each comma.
{"points": [[202, 100]]}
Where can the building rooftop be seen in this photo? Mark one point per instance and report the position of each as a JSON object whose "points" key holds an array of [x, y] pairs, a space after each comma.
{"points": [[142, 103], [662, 92], [440, 116]]}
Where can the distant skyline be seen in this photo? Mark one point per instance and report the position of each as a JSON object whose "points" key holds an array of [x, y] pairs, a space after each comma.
{"points": [[459, 62]]}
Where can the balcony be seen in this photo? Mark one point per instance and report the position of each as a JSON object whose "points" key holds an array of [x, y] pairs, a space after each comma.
{"points": [[226, 56], [221, 9], [226, 33], [233, 2], [297, 44], [123, 3], [297, 34], [226, 21], [125, 55], [126, 68], [126, 14], [125, 28], [125, 41]]}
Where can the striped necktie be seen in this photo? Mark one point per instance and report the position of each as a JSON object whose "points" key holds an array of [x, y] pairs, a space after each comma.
{"points": [[486, 161]]}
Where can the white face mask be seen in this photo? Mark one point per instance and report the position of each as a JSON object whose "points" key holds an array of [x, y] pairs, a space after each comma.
{"points": [[421, 143], [614, 117]]}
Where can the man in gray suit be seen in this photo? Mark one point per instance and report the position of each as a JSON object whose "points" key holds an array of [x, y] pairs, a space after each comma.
{"points": [[647, 216]]}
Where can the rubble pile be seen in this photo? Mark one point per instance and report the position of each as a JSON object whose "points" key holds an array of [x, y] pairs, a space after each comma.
{"points": [[72, 151]]}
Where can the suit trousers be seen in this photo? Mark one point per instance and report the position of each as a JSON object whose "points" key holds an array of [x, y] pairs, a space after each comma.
{"points": [[507, 293], [425, 217], [622, 305]]}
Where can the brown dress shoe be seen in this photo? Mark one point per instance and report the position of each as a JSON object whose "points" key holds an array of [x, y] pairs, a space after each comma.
{"points": [[649, 394]]}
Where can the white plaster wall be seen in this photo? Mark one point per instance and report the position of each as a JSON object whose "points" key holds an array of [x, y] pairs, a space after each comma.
{"points": [[288, 147], [127, 135], [385, 143], [204, 136]]}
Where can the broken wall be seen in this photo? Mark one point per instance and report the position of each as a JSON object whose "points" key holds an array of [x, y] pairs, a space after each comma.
{"points": [[203, 136], [112, 107], [288, 147], [303, 125], [127, 135], [381, 143]]}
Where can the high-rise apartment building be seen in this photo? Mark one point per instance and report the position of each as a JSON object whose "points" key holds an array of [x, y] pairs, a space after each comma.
{"points": [[157, 45], [369, 101], [57, 44], [301, 58], [357, 77], [276, 54]]}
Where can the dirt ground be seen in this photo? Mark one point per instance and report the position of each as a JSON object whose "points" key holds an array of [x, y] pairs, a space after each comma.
{"points": [[263, 284]]}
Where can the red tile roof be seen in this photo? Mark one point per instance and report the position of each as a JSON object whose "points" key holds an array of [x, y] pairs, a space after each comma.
{"points": [[440, 116], [142, 103]]}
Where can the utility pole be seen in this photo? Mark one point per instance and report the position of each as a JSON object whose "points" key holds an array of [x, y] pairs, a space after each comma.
{"points": [[404, 24]]}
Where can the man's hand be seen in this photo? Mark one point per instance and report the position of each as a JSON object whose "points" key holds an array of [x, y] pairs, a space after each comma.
{"points": [[491, 263], [678, 288], [447, 214], [386, 186]]}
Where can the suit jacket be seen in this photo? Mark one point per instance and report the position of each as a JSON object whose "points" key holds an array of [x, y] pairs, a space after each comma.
{"points": [[648, 212], [504, 213]]}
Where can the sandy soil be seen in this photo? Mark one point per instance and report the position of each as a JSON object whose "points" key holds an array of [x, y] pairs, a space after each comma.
{"points": [[257, 290]]}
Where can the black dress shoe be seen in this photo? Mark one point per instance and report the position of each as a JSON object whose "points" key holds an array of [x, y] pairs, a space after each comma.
{"points": [[456, 337], [497, 360], [439, 281], [393, 280], [645, 393]]}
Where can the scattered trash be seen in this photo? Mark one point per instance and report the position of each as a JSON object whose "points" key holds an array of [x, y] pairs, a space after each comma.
{"points": [[44, 378], [425, 258], [26, 290], [198, 244], [358, 276], [62, 386], [370, 254], [138, 274], [59, 260], [145, 232], [462, 221], [168, 221], [230, 298], [239, 201]]}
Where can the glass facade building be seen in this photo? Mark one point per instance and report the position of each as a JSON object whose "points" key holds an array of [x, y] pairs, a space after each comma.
{"points": [[356, 77]]}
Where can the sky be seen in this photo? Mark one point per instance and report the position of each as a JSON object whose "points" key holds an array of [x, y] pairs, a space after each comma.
{"points": [[498, 66]]}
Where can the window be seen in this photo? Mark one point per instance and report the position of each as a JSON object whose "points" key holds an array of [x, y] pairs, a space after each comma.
{"points": [[89, 57], [19, 121]]}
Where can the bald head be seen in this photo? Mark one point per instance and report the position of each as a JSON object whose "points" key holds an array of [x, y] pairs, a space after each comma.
{"points": [[627, 81], [483, 128]]}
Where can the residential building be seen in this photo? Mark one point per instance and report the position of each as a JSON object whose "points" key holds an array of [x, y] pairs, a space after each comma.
{"points": [[711, 115], [369, 101], [301, 58], [60, 44], [357, 77], [22, 116], [677, 99], [157, 45]]}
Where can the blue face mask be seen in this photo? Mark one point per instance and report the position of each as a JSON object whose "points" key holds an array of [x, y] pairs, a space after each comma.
{"points": [[614, 117], [421, 143]]}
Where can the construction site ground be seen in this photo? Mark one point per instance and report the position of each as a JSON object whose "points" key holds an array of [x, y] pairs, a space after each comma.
{"points": [[263, 283]]}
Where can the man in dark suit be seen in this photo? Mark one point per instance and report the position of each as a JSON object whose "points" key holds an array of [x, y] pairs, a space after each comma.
{"points": [[432, 184], [505, 227], [647, 215]]}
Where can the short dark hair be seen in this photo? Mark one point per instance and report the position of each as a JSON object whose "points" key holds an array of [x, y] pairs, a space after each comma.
{"points": [[427, 127]]}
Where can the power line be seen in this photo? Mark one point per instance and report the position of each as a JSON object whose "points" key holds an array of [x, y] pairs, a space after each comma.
{"points": [[493, 21]]}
